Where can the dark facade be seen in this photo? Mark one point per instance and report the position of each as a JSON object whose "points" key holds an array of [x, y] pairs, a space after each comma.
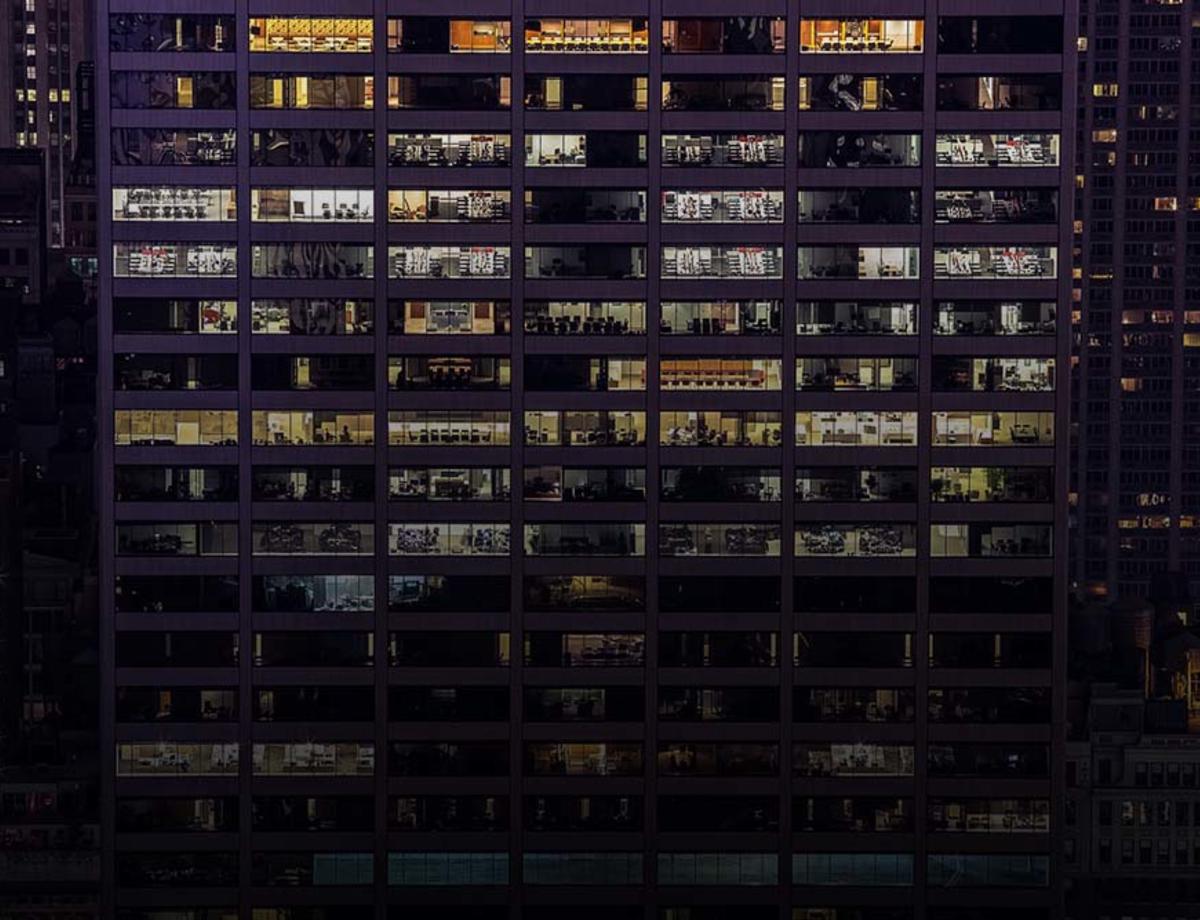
{"points": [[615, 468], [49, 772], [1136, 456]]}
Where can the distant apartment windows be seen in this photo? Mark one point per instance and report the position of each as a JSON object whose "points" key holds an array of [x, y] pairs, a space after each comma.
{"points": [[752, 150], [997, 149], [450, 92], [442, 206], [173, 147], [1018, 92], [863, 428], [586, 36], [748, 93], [722, 206], [324, 260], [440, 35], [591, 148], [311, 34], [174, 203], [140, 89], [845, 92], [169, 32], [175, 427], [308, 205], [861, 36], [853, 262], [759, 374], [408, 149], [722, 261], [331, 92], [174, 260], [449, 317], [995, 262], [448, 261], [725, 35], [584, 317]]}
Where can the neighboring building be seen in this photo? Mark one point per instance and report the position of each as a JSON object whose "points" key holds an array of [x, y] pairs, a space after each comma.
{"points": [[49, 773], [614, 465], [41, 43], [1136, 446], [1133, 760], [22, 230]]}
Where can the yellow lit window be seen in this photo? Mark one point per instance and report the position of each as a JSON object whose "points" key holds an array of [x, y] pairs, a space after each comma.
{"points": [[183, 92]]}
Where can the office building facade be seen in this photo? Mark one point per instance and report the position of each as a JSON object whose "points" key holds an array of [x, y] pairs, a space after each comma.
{"points": [[583, 456]]}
